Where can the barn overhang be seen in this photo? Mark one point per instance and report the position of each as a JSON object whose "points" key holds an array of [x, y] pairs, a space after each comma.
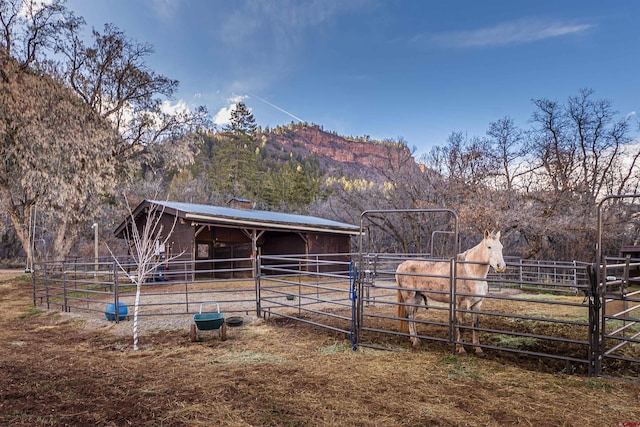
{"points": [[246, 219], [261, 225]]}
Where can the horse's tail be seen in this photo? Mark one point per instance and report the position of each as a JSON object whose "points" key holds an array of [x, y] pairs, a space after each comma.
{"points": [[402, 314]]}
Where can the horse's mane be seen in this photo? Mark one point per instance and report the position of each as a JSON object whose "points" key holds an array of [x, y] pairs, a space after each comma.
{"points": [[463, 256]]}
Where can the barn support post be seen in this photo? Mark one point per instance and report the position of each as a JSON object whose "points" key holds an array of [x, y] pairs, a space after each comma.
{"points": [[194, 249], [256, 266], [254, 236]]}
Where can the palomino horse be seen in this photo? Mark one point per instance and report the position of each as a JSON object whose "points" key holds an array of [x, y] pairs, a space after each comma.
{"points": [[417, 278]]}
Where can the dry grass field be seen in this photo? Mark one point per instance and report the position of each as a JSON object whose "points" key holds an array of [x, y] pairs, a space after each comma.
{"points": [[56, 370]]}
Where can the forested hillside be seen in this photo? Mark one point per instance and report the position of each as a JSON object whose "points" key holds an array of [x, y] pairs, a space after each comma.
{"points": [[71, 158]]}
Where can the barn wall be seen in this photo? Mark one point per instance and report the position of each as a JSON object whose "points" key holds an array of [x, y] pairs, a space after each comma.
{"points": [[309, 243], [333, 244], [282, 244], [181, 239], [328, 243]]}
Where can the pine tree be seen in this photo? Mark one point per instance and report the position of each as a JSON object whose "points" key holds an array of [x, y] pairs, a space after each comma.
{"points": [[242, 121]]}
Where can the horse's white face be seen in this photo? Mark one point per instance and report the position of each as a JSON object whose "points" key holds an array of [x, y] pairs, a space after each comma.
{"points": [[494, 249]]}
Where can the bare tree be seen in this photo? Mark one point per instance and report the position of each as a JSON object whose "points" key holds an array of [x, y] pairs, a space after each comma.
{"points": [[579, 151], [583, 147], [29, 27], [508, 148], [145, 236], [463, 161]]}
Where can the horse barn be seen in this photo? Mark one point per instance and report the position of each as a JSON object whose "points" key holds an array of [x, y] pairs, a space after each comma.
{"points": [[223, 240]]}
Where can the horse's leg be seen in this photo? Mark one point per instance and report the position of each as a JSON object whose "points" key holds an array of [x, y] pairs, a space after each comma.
{"points": [[411, 311], [460, 315], [476, 324]]}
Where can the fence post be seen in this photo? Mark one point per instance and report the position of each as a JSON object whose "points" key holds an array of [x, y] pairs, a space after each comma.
{"points": [[258, 284], [116, 308], [46, 288], [594, 274], [453, 273], [33, 285], [64, 292], [520, 273], [186, 294]]}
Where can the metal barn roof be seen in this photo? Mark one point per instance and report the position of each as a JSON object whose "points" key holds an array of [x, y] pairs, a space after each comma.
{"points": [[198, 213]]}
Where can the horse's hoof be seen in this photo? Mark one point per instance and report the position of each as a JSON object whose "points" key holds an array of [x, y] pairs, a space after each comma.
{"points": [[479, 352], [461, 350], [415, 343]]}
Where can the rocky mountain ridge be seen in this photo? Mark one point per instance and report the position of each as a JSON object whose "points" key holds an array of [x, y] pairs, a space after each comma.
{"points": [[359, 157]]}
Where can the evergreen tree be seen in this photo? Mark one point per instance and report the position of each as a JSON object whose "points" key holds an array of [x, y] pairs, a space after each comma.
{"points": [[237, 158], [242, 121]]}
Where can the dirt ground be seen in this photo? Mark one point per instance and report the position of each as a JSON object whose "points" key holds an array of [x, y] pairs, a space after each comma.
{"points": [[57, 371]]}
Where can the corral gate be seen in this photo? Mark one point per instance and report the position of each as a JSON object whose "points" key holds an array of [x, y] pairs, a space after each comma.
{"points": [[617, 328], [376, 285]]}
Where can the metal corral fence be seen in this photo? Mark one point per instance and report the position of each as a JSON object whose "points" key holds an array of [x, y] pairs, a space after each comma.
{"points": [[542, 312], [542, 276], [554, 315], [175, 288], [536, 318], [319, 290]]}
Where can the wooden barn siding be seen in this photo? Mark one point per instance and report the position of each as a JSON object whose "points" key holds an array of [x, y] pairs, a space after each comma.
{"points": [[330, 244], [281, 244]]}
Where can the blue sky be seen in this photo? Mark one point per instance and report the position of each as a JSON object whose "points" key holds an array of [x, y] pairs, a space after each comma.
{"points": [[418, 70]]}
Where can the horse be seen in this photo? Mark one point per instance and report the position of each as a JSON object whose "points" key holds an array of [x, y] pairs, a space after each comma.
{"points": [[415, 280]]}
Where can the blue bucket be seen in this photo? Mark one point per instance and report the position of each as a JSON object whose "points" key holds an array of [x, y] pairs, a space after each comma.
{"points": [[110, 312]]}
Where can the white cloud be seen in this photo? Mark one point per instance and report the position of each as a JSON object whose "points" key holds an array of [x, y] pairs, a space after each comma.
{"points": [[237, 98], [509, 33], [172, 109], [223, 116]]}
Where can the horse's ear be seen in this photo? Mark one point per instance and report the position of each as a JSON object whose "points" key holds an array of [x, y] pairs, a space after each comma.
{"points": [[486, 234], [498, 235]]}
